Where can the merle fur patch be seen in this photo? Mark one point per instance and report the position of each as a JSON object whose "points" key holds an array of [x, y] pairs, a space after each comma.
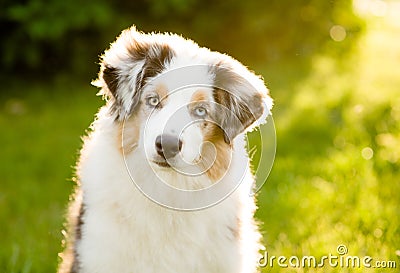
{"points": [[155, 56], [242, 103]]}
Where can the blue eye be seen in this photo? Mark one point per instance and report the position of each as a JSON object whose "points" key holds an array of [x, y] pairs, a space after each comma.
{"points": [[153, 101], [200, 111]]}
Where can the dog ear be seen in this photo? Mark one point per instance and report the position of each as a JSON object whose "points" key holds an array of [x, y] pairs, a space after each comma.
{"points": [[242, 98], [126, 66]]}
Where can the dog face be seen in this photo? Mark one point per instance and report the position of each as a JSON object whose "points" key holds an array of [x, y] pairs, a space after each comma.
{"points": [[179, 105], [175, 129]]}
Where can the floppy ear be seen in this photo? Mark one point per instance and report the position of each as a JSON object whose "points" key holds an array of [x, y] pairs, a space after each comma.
{"points": [[126, 66], [242, 98]]}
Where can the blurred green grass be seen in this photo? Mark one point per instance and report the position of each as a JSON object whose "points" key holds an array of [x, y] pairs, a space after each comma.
{"points": [[336, 177], [40, 136], [326, 187]]}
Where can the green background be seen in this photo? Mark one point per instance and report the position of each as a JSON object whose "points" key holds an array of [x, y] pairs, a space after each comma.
{"points": [[336, 177]]}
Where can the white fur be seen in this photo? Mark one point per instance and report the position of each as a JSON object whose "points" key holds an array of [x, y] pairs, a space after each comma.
{"points": [[123, 229], [126, 232]]}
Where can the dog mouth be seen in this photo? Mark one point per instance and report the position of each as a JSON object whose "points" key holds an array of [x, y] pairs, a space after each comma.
{"points": [[163, 164]]}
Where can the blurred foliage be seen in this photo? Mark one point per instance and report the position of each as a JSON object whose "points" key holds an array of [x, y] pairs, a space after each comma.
{"points": [[45, 36]]}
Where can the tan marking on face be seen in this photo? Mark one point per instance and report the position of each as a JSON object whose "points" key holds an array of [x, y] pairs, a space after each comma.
{"points": [[216, 156], [128, 134], [162, 91], [199, 95], [212, 133]]}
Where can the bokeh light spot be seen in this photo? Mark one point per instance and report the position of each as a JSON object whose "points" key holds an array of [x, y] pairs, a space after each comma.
{"points": [[338, 33], [367, 153]]}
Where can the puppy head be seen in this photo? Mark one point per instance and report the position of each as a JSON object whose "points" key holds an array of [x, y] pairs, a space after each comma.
{"points": [[180, 105]]}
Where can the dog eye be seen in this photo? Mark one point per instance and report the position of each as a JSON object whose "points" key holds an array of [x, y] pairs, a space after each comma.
{"points": [[152, 101], [200, 111]]}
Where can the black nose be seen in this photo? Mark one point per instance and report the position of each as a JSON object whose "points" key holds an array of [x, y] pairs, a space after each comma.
{"points": [[168, 146]]}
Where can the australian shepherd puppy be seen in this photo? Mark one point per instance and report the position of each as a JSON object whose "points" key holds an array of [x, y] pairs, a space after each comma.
{"points": [[164, 183]]}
